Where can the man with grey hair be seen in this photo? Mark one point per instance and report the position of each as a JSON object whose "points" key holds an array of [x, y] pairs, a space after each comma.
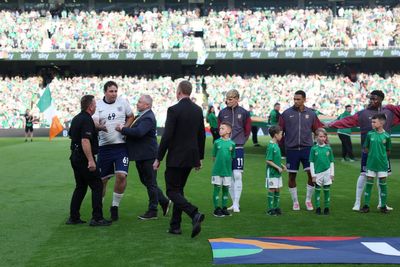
{"points": [[142, 145]]}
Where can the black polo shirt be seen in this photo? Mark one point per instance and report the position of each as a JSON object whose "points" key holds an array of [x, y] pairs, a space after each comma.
{"points": [[82, 126]]}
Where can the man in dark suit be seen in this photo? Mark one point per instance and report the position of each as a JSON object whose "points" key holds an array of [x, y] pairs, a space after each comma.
{"points": [[184, 139], [142, 148]]}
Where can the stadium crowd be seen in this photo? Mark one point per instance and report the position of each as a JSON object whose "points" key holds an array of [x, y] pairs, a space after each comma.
{"points": [[329, 93], [173, 29]]}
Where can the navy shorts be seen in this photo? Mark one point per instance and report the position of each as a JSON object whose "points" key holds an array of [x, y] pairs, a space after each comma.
{"points": [[294, 157], [238, 161], [364, 157], [113, 159]]}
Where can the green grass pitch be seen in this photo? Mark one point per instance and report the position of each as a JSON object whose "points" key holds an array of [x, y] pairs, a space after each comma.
{"points": [[37, 183]]}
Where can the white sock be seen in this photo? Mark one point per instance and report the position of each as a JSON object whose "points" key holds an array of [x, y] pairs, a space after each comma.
{"points": [[238, 187], [116, 199], [362, 179], [232, 189], [293, 194], [310, 191], [379, 192]]}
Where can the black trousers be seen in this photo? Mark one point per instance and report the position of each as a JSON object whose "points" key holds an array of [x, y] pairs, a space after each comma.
{"points": [[254, 132], [175, 180], [148, 177], [83, 179], [215, 133], [347, 147]]}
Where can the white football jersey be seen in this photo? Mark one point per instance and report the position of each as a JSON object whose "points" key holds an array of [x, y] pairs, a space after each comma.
{"points": [[111, 115]]}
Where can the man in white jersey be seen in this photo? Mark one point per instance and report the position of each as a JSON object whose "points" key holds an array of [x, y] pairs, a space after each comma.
{"points": [[113, 111]]}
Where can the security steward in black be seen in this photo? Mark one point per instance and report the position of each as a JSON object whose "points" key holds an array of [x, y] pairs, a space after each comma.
{"points": [[84, 145]]}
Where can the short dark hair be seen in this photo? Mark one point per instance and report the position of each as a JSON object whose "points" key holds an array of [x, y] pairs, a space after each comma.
{"points": [[86, 101], [347, 106], [379, 116], [378, 93], [109, 84], [277, 104], [300, 92], [273, 130], [227, 124], [185, 87]]}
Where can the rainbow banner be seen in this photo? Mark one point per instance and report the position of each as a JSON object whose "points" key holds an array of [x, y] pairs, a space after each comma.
{"points": [[306, 249]]}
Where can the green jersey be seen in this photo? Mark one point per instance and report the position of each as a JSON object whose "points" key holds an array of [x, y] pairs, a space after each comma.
{"points": [[212, 120], [223, 152], [377, 144], [322, 157], [274, 117], [273, 154], [346, 131]]}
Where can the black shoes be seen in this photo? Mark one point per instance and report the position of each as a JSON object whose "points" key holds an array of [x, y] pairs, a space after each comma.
{"points": [[149, 215], [218, 213], [101, 222], [196, 221], [318, 211], [384, 210], [114, 213], [74, 221], [326, 211], [278, 211], [226, 212], [365, 209], [165, 208], [174, 231], [271, 212]]}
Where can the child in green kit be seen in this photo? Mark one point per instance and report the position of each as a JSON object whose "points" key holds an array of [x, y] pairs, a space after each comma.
{"points": [[223, 153], [377, 145], [322, 169], [274, 171]]}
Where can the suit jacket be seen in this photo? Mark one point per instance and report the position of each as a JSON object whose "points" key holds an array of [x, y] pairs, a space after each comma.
{"points": [[184, 135], [141, 137]]}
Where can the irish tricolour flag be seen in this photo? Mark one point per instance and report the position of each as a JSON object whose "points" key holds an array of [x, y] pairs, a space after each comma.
{"points": [[46, 107]]}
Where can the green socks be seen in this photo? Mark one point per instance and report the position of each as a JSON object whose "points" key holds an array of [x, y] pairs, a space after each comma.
{"points": [[327, 195], [383, 187], [368, 189], [317, 196], [225, 192], [217, 189]]}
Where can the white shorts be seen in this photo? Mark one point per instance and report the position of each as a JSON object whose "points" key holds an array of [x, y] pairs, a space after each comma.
{"points": [[323, 178], [221, 180], [273, 182], [376, 174]]}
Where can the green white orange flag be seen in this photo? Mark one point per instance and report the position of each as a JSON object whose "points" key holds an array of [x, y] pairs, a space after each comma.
{"points": [[46, 107]]}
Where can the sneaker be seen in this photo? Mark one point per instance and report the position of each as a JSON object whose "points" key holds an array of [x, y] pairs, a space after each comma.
{"points": [[309, 205], [296, 206], [149, 215], [114, 213], [230, 208], [365, 209], [271, 212], [384, 210], [326, 211], [278, 211], [226, 212], [166, 207], [351, 160], [218, 213], [318, 211], [387, 207], [236, 209], [101, 222], [356, 207], [74, 221]]}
